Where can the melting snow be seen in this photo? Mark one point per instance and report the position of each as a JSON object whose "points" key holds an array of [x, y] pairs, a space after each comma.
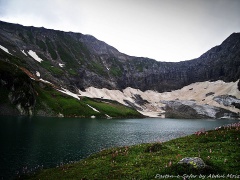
{"points": [[38, 74], [154, 108], [61, 65], [5, 49], [65, 91], [24, 52], [93, 108], [34, 56]]}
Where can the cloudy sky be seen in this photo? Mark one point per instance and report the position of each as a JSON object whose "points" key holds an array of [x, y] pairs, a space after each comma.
{"points": [[165, 30]]}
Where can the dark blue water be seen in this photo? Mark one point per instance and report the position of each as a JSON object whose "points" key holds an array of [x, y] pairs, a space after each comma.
{"points": [[30, 143]]}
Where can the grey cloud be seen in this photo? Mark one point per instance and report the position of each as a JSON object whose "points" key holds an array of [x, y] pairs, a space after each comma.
{"points": [[3, 6], [162, 24]]}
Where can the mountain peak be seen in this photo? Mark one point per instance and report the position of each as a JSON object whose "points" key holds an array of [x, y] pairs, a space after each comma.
{"points": [[86, 61]]}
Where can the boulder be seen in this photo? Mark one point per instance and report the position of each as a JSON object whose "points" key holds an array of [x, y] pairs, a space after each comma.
{"points": [[195, 162]]}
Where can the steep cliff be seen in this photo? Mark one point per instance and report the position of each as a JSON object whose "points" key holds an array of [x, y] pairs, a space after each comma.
{"points": [[17, 90]]}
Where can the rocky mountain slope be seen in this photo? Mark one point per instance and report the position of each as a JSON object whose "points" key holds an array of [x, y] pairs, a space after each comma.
{"points": [[72, 62], [24, 93], [198, 100]]}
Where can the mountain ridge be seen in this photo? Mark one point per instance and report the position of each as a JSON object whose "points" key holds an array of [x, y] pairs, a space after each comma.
{"points": [[75, 62], [60, 47]]}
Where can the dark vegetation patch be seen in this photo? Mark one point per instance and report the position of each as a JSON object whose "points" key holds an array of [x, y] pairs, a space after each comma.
{"points": [[41, 45], [51, 49]]}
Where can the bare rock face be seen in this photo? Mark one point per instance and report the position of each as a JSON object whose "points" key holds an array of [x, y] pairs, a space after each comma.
{"points": [[20, 91], [239, 85], [190, 109], [228, 100]]}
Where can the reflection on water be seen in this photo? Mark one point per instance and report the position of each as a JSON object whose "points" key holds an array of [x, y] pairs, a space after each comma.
{"points": [[27, 143]]}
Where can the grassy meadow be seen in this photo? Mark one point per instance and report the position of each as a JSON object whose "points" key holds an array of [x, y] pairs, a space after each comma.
{"points": [[218, 148]]}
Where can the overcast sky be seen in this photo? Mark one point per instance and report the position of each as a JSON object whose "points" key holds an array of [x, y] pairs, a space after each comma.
{"points": [[165, 30]]}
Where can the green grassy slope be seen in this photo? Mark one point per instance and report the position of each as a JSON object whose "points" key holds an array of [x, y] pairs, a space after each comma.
{"points": [[47, 101], [218, 148], [58, 103]]}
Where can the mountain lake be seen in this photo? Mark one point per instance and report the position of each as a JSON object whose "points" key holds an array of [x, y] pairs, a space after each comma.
{"points": [[31, 143]]}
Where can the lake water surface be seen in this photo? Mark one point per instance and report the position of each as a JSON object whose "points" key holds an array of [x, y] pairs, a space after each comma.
{"points": [[27, 143]]}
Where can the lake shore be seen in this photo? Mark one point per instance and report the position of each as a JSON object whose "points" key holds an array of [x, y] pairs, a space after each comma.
{"points": [[218, 148]]}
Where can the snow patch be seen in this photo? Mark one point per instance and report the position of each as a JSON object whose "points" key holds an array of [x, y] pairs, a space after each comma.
{"points": [[45, 81], [109, 117], [61, 65], [60, 115], [65, 91], [24, 52], [93, 108], [34, 56], [154, 107], [151, 114], [5, 49], [37, 74]]}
